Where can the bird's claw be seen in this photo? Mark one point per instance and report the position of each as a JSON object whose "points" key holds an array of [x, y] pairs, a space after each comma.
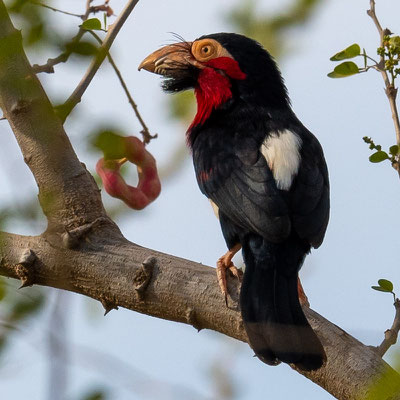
{"points": [[225, 263], [236, 272]]}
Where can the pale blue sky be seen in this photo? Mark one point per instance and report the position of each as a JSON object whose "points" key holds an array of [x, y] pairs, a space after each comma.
{"points": [[360, 247]]}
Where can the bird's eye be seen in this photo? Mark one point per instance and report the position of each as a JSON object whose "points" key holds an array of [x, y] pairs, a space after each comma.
{"points": [[205, 49]]}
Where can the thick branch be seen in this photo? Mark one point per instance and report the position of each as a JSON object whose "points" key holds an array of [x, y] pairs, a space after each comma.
{"points": [[119, 273], [67, 192]]}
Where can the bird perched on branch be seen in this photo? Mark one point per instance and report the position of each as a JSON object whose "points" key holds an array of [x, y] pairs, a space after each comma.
{"points": [[266, 177]]}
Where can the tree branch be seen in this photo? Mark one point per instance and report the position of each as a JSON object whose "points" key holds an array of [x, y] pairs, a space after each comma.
{"points": [[77, 94], [38, 3], [390, 89], [147, 136], [63, 57], [392, 333], [67, 192], [108, 268]]}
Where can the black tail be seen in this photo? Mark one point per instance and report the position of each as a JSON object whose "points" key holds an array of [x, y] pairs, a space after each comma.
{"points": [[274, 321]]}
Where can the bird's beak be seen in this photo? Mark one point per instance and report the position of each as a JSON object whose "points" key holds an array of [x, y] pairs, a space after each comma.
{"points": [[170, 60]]}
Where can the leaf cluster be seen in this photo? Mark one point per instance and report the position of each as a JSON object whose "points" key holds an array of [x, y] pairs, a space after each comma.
{"points": [[389, 53], [380, 155]]}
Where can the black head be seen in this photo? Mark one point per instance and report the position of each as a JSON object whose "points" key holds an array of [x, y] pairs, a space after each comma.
{"points": [[231, 55]]}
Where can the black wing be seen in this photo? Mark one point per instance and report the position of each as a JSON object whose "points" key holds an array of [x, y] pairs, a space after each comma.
{"points": [[242, 186], [309, 194]]}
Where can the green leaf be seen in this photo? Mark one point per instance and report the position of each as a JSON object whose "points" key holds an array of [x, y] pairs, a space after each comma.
{"points": [[395, 43], [92, 24], [351, 52], [347, 68], [82, 48], [380, 289], [378, 157], [385, 284], [394, 150], [110, 143]]}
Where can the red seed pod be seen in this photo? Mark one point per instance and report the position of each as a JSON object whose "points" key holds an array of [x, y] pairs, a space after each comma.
{"points": [[149, 186]]}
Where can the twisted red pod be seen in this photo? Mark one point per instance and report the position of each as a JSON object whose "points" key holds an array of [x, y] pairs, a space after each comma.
{"points": [[149, 186]]}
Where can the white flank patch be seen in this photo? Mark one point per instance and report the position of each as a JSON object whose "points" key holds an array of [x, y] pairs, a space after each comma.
{"points": [[215, 208], [282, 152]]}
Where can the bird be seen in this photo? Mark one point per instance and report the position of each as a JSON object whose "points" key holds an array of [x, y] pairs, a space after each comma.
{"points": [[266, 177]]}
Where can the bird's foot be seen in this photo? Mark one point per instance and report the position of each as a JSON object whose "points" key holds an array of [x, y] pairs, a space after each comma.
{"points": [[225, 263], [302, 296]]}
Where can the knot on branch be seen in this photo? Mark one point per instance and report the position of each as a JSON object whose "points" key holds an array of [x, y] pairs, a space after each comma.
{"points": [[72, 238], [24, 268], [143, 277], [391, 91], [20, 107]]}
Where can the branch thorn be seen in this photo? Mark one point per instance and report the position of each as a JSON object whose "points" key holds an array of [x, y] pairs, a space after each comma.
{"points": [[23, 270], [192, 320], [108, 305], [143, 277]]}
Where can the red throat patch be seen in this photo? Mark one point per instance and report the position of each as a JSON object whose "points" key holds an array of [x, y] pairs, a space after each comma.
{"points": [[214, 87]]}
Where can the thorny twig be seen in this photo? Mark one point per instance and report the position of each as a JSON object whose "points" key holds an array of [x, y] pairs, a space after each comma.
{"points": [[147, 136], [390, 89], [391, 334], [77, 94]]}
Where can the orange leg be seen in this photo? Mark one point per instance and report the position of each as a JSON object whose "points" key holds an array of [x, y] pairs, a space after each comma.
{"points": [[225, 263], [302, 296]]}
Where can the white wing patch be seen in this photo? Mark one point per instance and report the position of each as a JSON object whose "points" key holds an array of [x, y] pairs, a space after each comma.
{"points": [[282, 153]]}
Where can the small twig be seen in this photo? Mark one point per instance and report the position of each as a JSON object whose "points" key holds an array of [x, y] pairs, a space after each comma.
{"points": [[38, 3], [147, 136], [63, 57], [390, 89], [77, 94], [391, 334], [369, 58]]}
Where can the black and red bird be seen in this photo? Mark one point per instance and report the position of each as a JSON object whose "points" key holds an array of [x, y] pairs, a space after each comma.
{"points": [[266, 177]]}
